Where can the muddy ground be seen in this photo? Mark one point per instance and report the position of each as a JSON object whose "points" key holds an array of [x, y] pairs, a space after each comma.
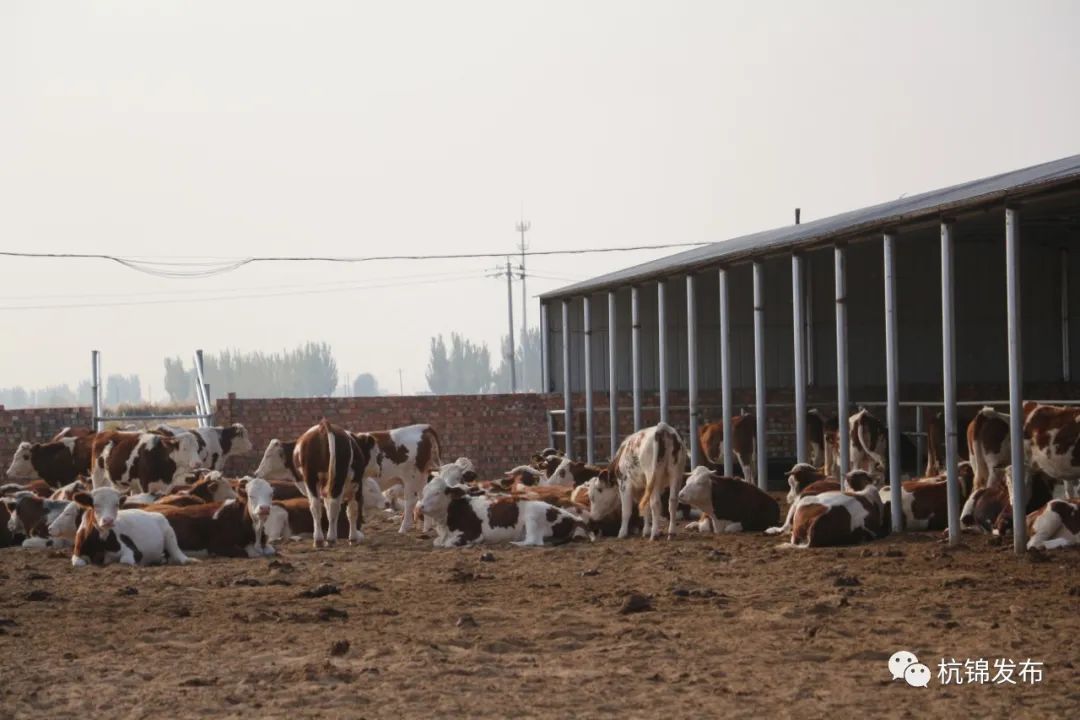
{"points": [[738, 628]]}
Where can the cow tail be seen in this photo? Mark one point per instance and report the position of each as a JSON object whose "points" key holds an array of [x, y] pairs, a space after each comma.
{"points": [[975, 451], [436, 448], [331, 470]]}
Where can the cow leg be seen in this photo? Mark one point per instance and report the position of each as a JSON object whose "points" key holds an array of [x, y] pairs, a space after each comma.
{"points": [[352, 510], [410, 505], [317, 521], [673, 501], [655, 511], [333, 510], [626, 501]]}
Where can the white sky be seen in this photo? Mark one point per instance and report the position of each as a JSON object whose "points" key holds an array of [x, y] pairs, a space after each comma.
{"points": [[244, 128]]}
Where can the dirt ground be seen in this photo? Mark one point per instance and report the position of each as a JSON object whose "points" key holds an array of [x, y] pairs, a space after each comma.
{"points": [[739, 628]]}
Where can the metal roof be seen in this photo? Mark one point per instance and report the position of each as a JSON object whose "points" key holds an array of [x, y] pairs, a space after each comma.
{"points": [[849, 225]]}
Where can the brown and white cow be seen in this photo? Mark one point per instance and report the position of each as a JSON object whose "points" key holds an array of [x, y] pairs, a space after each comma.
{"points": [[935, 443], [728, 504], [57, 462], [212, 487], [1052, 442], [925, 502], [30, 516], [743, 446], [141, 462], [464, 519], [832, 447], [989, 509], [839, 518], [988, 446], [1055, 525], [572, 473], [816, 453], [405, 455], [803, 479], [869, 443], [130, 537], [216, 444], [646, 464], [331, 464]]}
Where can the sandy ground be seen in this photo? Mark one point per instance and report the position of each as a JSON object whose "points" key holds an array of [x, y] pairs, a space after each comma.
{"points": [[739, 628]]}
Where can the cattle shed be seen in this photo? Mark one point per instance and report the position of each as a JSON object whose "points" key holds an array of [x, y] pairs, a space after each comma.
{"points": [[943, 301]]}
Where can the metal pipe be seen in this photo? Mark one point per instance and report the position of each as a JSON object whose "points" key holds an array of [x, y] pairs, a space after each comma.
{"points": [[1016, 376], [892, 377], [635, 353], [691, 369], [808, 293], [799, 341], [586, 311], [613, 378], [202, 388], [661, 319], [1066, 373], [948, 378], [725, 373], [842, 404], [759, 375], [95, 390], [568, 405], [544, 379], [920, 438]]}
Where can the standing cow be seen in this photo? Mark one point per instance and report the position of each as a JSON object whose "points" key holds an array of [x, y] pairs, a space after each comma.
{"points": [[646, 464], [142, 462], [406, 455], [743, 444], [216, 444], [1052, 442], [988, 446]]}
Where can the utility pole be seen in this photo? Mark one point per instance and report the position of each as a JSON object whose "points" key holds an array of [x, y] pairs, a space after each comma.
{"points": [[510, 316], [401, 383], [523, 227]]}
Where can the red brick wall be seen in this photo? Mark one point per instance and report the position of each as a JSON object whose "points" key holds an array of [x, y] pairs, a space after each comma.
{"points": [[496, 432], [35, 425]]}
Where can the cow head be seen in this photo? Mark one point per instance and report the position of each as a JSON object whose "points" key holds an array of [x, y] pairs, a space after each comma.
{"points": [[458, 472], [697, 491], [798, 477], [217, 487], [101, 507], [861, 481], [437, 496], [67, 522], [22, 465], [604, 499], [258, 496], [562, 475], [275, 462], [236, 436]]}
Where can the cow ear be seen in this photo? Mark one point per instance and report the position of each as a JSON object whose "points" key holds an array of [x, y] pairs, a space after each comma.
{"points": [[469, 476], [84, 499], [603, 476], [455, 491]]}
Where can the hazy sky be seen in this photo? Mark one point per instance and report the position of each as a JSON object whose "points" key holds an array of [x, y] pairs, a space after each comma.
{"points": [[244, 128]]}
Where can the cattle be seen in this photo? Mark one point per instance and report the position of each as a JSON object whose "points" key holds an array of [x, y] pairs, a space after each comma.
{"points": [[547, 460], [67, 492], [525, 475], [803, 479], [1052, 442], [925, 502], [646, 464], [7, 538], [463, 519], [242, 527], [832, 447], [331, 464], [277, 462], [869, 442], [38, 487], [839, 518], [212, 487], [1055, 525], [296, 520], [405, 455], [935, 444], [216, 444], [815, 438], [989, 509], [31, 515], [130, 537], [571, 473], [988, 445], [57, 462], [141, 462], [729, 504], [743, 446]]}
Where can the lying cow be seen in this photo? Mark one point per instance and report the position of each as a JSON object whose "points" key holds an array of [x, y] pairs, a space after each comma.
{"points": [[925, 502], [743, 446], [571, 473], [803, 480], [647, 463], [57, 462], [463, 519], [142, 462], [30, 516], [131, 537], [212, 487], [1055, 525], [296, 520], [728, 504], [839, 518], [216, 444], [989, 509]]}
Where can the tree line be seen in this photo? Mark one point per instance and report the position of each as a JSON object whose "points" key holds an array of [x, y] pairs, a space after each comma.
{"points": [[462, 367], [118, 390]]}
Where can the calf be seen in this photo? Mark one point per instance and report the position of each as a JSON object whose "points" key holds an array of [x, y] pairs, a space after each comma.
{"points": [[646, 464], [331, 463], [730, 504], [839, 518], [57, 462], [743, 446], [988, 445], [131, 537], [141, 461], [31, 516], [803, 479], [1052, 442], [1055, 525], [463, 519], [216, 444], [571, 473], [405, 455], [869, 442]]}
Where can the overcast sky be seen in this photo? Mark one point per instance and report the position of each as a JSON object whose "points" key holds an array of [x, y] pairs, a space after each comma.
{"points": [[230, 129]]}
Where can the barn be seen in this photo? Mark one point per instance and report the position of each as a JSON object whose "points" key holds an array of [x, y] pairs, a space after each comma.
{"points": [[943, 301]]}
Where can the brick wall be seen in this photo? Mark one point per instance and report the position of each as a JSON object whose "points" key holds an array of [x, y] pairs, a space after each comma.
{"points": [[496, 432], [35, 425]]}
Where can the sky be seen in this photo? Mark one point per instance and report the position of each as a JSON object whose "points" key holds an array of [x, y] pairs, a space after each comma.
{"points": [[232, 129]]}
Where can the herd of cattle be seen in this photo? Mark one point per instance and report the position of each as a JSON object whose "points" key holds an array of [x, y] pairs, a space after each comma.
{"points": [[160, 495]]}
